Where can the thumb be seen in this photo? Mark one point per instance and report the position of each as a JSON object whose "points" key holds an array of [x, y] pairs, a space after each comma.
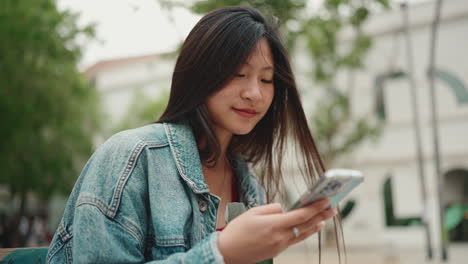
{"points": [[273, 208]]}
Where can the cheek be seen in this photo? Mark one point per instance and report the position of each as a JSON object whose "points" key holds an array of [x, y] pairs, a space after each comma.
{"points": [[216, 107], [269, 95], [212, 107]]}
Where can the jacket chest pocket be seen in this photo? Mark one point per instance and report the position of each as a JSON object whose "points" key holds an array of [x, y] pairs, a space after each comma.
{"points": [[161, 247]]}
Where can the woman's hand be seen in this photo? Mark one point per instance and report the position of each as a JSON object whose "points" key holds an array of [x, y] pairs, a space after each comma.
{"points": [[265, 231]]}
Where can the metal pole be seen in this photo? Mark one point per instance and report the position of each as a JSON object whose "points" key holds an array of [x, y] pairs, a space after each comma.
{"points": [[435, 132], [417, 130]]}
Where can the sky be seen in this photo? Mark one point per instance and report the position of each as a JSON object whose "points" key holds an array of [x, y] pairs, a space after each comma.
{"points": [[129, 27]]}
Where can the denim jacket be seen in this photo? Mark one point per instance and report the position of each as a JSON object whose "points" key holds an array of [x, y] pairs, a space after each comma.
{"points": [[142, 197]]}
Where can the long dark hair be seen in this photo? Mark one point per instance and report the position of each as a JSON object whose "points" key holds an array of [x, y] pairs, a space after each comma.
{"points": [[210, 56]]}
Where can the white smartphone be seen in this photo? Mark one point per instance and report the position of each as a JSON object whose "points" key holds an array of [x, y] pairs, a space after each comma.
{"points": [[334, 185]]}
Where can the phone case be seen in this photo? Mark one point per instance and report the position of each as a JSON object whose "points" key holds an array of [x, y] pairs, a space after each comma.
{"points": [[335, 185]]}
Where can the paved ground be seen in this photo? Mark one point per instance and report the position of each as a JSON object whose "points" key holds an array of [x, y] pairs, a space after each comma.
{"points": [[458, 254]]}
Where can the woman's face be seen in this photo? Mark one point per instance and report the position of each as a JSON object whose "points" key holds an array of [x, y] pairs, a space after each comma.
{"points": [[243, 101]]}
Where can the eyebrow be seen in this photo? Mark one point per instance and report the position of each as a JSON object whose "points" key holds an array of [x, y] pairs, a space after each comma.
{"points": [[263, 68]]}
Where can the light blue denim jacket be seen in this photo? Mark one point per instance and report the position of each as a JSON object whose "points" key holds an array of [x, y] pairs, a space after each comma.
{"points": [[142, 198]]}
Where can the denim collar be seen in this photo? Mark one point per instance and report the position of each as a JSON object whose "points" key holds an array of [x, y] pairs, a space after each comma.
{"points": [[185, 151]]}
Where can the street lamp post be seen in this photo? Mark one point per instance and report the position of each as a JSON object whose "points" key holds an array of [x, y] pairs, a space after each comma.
{"points": [[417, 134], [435, 132]]}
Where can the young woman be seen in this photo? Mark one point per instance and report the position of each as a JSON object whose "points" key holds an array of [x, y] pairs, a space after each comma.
{"points": [[158, 193]]}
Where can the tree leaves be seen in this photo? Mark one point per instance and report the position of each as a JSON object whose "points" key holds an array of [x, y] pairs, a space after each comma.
{"points": [[337, 133], [48, 110]]}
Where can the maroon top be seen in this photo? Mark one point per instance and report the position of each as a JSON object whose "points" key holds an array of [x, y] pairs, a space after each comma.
{"points": [[235, 196]]}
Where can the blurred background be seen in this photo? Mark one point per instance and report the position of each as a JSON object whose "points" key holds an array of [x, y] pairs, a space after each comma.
{"points": [[384, 84]]}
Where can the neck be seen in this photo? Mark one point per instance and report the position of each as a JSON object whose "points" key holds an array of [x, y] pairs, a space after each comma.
{"points": [[224, 138]]}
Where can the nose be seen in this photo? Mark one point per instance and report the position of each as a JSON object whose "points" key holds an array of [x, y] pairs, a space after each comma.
{"points": [[252, 91]]}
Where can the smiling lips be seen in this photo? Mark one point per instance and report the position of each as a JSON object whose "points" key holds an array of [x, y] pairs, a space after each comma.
{"points": [[245, 112]]}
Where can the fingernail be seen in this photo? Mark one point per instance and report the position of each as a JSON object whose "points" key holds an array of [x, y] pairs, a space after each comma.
{"points": [[321, 224]]}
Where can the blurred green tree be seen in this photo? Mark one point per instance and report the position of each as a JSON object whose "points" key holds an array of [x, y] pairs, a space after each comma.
{"points": [[48, 110], [337, 131]]}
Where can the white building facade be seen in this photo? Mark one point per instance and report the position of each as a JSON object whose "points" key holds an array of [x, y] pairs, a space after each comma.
{"points": [[395, 155], [122, 81]]}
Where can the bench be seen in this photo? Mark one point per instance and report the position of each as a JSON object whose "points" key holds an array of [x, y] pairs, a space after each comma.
{"points": [[23, 255]]}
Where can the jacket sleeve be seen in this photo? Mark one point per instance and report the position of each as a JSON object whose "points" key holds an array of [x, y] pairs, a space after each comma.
{"points": [[109, 241]]}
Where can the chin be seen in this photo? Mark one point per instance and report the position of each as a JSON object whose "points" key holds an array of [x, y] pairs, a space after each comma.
{"points": [[242, 133], [241, 130]]}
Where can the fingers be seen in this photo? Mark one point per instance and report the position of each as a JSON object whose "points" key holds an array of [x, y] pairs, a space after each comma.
{"points": [[322, 217], [313, 225], [273, 208], [302, 215], [306, 233]]}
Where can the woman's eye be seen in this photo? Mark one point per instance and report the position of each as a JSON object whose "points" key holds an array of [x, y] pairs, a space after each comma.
{"points": [[240, 75], [267, 81]]}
